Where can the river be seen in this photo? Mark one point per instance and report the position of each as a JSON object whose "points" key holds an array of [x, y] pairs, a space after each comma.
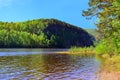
{"points": [[45, 64]]}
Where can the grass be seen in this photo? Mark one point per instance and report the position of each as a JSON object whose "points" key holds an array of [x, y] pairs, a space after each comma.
{"points": [[82, 50], [79, 50], [111, 63]]}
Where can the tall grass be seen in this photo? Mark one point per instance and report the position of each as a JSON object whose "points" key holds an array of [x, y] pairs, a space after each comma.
{"points": [[111, 63], [75, 49]]}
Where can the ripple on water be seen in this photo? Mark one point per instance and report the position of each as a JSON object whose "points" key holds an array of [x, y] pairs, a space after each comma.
{"points": [[48, 67]]}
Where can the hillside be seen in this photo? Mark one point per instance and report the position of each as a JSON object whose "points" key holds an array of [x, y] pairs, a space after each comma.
{"points": [[95, 33], [42, 33]]}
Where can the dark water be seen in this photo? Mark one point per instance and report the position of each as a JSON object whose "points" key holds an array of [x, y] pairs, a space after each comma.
{"points": [[36, 64]]}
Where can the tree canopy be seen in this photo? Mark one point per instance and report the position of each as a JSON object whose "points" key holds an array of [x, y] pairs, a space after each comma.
{"points": [[108, 24], [42, 33]]}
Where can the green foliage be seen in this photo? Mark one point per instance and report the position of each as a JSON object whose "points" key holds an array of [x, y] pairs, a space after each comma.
{"points": [[108, 24], [40, 33], [21, 39], [108, 46], [23, 34], [82, 49]]}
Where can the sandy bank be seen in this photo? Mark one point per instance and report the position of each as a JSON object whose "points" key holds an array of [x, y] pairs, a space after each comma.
{"points": [[104, 75]]}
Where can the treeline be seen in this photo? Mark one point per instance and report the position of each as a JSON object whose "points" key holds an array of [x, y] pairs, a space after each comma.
{"points": [[23, 34], [41, 33], [14, 38]]}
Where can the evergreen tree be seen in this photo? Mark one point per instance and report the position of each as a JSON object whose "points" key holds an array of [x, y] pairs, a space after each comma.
{"points": [[108, 24]]}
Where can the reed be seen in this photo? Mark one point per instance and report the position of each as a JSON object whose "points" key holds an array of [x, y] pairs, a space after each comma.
{"points": [[83, 50], [80, 50]]}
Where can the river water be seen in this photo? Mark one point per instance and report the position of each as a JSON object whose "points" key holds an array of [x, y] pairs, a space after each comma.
{"points": [[45, 64]]}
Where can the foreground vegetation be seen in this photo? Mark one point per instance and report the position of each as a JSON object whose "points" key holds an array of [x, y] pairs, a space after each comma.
{"points": [[111, 63], [108, 25], [107, 12]]}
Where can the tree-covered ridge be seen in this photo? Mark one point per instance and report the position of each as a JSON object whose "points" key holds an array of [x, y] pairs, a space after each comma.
{"points": [[42, 33]]}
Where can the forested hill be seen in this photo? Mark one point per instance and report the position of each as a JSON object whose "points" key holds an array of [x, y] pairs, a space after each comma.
{"points": [[42, 33], [95, 33]]}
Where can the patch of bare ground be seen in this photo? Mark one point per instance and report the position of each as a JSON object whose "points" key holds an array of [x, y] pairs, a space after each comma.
{"points": [[105, 75]]}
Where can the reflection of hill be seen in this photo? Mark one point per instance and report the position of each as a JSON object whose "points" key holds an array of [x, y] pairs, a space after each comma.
{"points": [[46, 63], [50, 66]]}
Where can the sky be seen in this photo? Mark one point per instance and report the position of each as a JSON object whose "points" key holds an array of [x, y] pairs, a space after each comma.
{"points": [[69, 11]]}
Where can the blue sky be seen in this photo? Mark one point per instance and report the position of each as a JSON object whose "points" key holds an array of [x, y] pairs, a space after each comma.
{"points": [[66, 10]]}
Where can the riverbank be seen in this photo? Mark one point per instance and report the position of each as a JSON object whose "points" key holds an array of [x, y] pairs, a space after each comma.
{"points": [[78, 50], [68, 52], [105, 75], [110, 68]]}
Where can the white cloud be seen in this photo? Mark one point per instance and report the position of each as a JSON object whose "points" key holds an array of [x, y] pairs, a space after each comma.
{"points": [[4, 3]]}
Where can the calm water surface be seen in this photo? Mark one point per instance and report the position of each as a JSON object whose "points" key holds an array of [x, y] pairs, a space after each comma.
{"points": [[44, 64]]}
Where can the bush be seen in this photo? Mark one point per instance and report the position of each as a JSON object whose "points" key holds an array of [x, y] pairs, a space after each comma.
{"points": [[108, 46]]}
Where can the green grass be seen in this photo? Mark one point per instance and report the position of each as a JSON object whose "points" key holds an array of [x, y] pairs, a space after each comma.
{"points": [[82, 50]]}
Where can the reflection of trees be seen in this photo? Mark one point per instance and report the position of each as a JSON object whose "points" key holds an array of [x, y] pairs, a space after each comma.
{"points": [[49, 63], [56, 63], [15, 61], [46, 63]]}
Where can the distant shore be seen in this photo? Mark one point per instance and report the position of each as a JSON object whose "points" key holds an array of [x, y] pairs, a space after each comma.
{"points": [[69, 52], [79, 50]]}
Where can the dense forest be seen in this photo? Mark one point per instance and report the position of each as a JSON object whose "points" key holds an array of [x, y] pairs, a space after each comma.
{"points": [[42, 33]]}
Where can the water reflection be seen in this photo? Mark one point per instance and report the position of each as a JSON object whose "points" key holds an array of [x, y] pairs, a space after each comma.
{"points": [[48, 67], [22, 51]]}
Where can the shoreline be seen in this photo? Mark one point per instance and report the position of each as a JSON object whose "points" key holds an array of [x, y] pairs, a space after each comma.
{"points": [[105, 75], [70, 52]]}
